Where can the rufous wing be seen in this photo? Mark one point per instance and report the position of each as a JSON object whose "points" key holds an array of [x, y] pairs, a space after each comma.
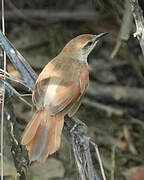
{"points": [[56, 92], [83, 81]]}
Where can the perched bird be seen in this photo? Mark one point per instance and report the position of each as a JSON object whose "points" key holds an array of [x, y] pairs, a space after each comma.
{"points": [[58, 92]]}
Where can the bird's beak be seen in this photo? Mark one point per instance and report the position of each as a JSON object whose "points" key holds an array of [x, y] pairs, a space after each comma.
{"points": [[100, 35]]}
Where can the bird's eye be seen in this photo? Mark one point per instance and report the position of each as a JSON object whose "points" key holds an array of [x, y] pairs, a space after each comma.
{"points": [[88, 44]]}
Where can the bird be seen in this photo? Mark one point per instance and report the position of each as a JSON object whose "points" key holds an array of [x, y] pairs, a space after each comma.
{"points": [[58, 92]]}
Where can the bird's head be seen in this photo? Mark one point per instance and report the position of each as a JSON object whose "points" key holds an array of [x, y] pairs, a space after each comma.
{"points": [[81, 46]]}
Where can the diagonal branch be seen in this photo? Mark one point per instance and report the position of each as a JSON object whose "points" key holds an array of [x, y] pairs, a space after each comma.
{"points": [[18, 61]]}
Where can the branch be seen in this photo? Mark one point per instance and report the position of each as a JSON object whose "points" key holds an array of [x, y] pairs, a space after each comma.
{"points": [[139, 21], [131, 96], [17, 151], [50, 15], [125, 29], [18, 61], [75, 132]]}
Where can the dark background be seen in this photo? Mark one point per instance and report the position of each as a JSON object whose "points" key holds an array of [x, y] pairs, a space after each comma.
{"points": [[113, 105]]}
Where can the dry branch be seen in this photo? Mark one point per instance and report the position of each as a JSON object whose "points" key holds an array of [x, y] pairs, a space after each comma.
{"points": [[50, 15], [125, 29], [14, 133], [139, 21], [18, 61], [17, 152], [116, 94]]}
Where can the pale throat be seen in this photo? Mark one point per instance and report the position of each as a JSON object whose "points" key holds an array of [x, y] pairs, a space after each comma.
{"points": [[82, 57]]}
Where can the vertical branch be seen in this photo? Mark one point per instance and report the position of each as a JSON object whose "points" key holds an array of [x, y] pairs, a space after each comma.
{"points": [[19, 156], [99, 160], [125, 29], [113, 162], [74, 130], [3, 96], [139, 21], [19, 160]]}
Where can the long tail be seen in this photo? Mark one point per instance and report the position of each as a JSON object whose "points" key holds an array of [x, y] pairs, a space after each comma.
{"points": [[42, 135]]}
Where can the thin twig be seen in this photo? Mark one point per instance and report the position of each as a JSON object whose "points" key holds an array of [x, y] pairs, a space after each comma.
{"points": [[99, 160], [13, 78], [17, 93], [113, 162], [3, 96]]}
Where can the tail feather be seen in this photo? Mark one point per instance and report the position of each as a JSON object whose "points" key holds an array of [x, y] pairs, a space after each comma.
{"points": [[46, 136], [54, 137], [31, 129]]}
